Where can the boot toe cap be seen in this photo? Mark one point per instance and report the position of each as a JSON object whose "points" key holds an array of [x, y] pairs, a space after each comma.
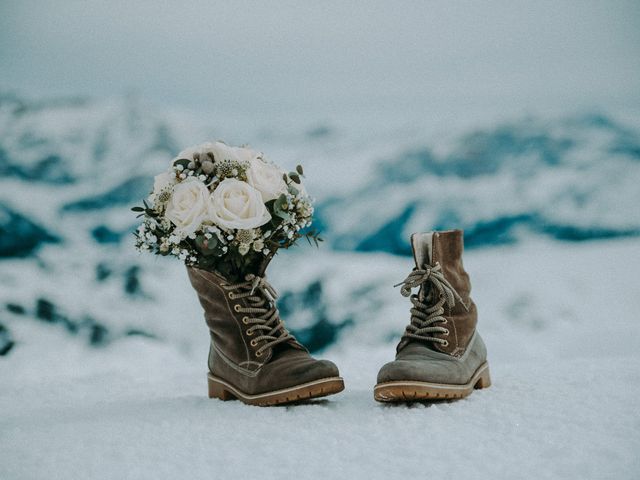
{"points": [[297, 370], [397, 370], [417, 371], [313, 370], [326, 369], [419, 364]]}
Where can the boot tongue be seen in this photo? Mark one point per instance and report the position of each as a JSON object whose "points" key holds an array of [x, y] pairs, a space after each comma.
{"points": [[422, 246]]}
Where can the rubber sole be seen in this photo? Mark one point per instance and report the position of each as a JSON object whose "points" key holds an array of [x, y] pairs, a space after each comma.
{"points": [[411, 391], [222, 390]]}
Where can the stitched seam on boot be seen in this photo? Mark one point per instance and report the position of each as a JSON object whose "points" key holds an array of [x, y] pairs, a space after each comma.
{"points": [[465, 352], [235, 320], [237, 368], [251, 362], [455, 334], [244, 341], [466, 305]]}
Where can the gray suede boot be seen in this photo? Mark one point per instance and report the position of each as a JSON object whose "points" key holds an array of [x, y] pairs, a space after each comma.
{"points": [[253, 357], [440, 354]]}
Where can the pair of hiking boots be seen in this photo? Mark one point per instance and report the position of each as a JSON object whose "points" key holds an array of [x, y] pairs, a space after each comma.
{"points": [[255, 359]]}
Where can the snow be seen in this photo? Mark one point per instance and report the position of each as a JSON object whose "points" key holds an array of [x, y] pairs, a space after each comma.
{"points": [[110, 383], [559, 319], [438, 123]]}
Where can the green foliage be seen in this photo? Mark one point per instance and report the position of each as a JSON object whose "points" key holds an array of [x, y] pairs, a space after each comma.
{"points": [[313, 236], [208, 246], [280, 208], [182, 161], [295, 177]]}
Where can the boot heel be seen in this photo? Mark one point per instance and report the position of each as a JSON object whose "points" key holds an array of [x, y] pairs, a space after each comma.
{"points": [[485, 379], [217, 390]]}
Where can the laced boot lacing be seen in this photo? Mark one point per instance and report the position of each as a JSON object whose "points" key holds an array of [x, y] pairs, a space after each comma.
{"points": [[428, 308], [263, 315]]}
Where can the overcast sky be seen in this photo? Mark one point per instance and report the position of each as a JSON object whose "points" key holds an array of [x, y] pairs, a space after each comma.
{"points": [[324, 54]]}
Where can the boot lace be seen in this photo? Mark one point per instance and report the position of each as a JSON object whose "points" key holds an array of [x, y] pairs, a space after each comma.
{"points": [[428, 308], [263, 316]]}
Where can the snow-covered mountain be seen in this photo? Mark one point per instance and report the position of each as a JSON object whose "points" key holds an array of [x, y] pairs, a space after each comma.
{"points": [[573, 178], [71, 168]]}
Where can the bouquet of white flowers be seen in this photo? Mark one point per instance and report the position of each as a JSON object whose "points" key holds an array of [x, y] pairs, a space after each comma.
{"points": [[225, 209]]}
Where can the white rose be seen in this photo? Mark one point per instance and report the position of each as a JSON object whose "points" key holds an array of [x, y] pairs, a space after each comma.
{"points": [[221, 151], [236, 204], [266, 178], [187, 207], [245, 154]]}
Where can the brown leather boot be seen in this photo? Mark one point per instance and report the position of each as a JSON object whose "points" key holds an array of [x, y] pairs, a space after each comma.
{"points": [[252, 356], [440, 354]]}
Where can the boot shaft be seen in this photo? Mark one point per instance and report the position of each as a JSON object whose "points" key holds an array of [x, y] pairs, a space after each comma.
{"points": [[252, 356], [446, 249], [244, 322], [228, 333]]}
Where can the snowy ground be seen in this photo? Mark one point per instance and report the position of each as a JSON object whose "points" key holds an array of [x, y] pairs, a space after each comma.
{"points": [[561, 325]]}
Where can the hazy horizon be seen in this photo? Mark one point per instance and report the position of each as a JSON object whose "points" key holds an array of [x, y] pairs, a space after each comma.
{"points": [[329, 58]]}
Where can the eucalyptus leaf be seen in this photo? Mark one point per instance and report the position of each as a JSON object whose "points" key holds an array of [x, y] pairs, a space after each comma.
{"points": [[282, 214], [295, 177], [279, 204], [182, 161]]}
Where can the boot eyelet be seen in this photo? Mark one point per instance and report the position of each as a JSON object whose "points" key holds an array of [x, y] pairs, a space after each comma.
{"points": [[445, 321], [245, 320], [231, 296], [445, 344], [237, 307], [446, 334], [254, 343], [249, 333], [258, 354]]}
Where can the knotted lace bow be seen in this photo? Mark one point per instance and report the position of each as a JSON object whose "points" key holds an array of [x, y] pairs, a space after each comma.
{"points": [[264, 317], [435, 277], [262, 284], [427, 312]]}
